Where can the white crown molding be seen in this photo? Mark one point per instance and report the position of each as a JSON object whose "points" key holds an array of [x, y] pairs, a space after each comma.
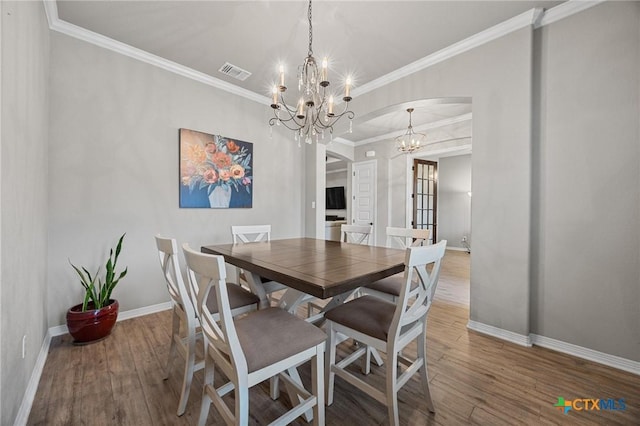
{"points": [[510, 336], [564, 10], [56, 24], [336, 171], [517, 22], [429, 126], [535, 17], [588, 354], [342, 141]]}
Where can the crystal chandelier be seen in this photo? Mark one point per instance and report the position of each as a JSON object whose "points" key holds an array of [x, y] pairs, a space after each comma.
{"points": [[410, 141], [314, 112]]}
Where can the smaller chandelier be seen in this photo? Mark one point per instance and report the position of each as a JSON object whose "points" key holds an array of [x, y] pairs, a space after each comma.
{"points": [[315, 111], [410, 141]]}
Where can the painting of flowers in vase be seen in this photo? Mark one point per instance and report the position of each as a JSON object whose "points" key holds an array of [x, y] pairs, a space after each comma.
{"points": [[215, 171]]}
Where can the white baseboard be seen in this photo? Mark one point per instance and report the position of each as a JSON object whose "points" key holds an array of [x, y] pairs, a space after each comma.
{"points": [[59, 330], [457, 248], [30, 393], [588, 354], [32, 386], [559, 346], [510, 336]]}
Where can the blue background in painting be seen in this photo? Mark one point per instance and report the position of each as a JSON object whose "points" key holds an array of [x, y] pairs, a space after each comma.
{"points": [[240, 199], [197, 198]]}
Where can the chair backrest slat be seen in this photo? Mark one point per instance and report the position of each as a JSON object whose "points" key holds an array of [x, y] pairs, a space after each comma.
{"points": [[406, 237], [251, 233], [355, 234], [416, 261], [179, 293], [220, 334]]}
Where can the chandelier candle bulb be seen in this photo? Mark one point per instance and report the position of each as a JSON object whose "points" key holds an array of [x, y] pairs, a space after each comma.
{"points": [[324, 79], [282, 86], [347, 90], [316, 110]]}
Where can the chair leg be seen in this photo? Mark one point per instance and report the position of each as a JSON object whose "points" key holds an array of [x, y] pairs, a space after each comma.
{"points": [[189, 365], [422, 353], [242, 404], [274, 387], [317, 384], [175, 332], [392, 389], [366, 368], [209, 369], [330, 361]]}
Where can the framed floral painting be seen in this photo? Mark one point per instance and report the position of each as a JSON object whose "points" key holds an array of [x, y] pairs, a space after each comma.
{"points": [[215, 171]]}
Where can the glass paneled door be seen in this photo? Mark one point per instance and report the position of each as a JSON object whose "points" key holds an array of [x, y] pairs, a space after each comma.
{"points": [[425, 197]]}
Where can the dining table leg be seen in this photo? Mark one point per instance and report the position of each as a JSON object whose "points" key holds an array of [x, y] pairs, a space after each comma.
{"points": [[256, 287]]}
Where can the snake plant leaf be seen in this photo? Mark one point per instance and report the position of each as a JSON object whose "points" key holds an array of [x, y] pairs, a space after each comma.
{"points": [[97, 290]]}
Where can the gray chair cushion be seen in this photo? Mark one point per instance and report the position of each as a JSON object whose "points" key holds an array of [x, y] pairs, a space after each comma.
{"points": [[367, 314], [238, 297], [391, 285], [271, 335]]}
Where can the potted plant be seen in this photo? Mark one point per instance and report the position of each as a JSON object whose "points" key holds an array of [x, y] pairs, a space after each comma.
{"points": [[94, 318]]}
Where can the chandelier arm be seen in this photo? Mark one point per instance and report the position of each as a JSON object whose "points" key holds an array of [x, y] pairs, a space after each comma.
{"points": [[285, 123]]}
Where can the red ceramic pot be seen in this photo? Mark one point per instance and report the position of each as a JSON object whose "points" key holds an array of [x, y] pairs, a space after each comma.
{"points": [[93, 324]]}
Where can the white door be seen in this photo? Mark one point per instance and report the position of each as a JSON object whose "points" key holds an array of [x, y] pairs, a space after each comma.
{"points": [[363, 190]]}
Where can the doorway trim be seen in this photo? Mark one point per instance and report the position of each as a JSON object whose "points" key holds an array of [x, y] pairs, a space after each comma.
{"points": [[374, 191]]}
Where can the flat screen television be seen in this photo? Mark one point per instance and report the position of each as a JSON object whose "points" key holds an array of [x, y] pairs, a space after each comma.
{"points": [[335, 199]]}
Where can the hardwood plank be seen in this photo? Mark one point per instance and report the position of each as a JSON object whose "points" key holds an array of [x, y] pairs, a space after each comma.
{"points": [[474, 379]]}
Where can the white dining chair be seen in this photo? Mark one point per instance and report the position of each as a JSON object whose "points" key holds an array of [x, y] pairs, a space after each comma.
{"points": [[185, 316], [352, 234], [389, 288], [246, 234], [355, 234], [388, 327], [252, 348]]}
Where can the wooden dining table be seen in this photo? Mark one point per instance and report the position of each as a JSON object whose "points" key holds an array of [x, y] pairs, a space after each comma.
{"points": [[319, 268], [310, 267]]}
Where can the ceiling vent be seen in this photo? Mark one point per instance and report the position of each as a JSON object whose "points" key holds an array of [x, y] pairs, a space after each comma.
{"points": [[234, 71]]}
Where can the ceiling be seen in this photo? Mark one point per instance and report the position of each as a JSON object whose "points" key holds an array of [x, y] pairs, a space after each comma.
{"points": [[363, 39]]}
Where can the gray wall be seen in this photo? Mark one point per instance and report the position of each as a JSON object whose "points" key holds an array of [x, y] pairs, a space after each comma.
{"points": [[23, 196], [454, 203], [556, 176], [586, 245], [113, 168], [497, 76]]}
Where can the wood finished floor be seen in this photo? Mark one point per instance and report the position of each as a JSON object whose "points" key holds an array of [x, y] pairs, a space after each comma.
{"points": [[474, 379]]}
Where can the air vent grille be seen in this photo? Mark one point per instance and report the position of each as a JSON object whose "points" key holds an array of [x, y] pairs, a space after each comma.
{"points": [[234, 71]]}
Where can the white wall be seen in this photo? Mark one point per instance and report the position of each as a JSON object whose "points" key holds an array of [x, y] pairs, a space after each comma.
{"points": [[23, 196], [454, 203], [113, 163], [586, 245]]}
